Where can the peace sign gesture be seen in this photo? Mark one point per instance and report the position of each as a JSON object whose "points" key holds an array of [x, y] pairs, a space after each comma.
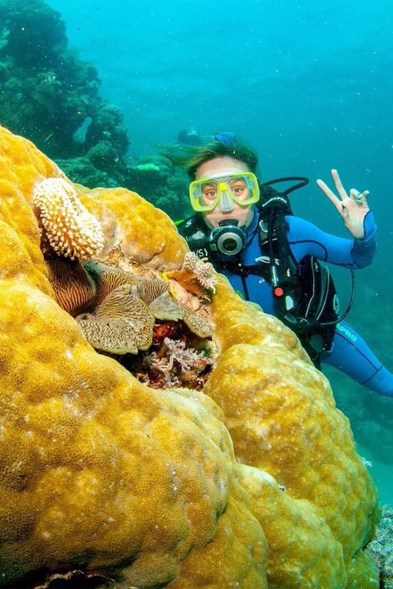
{"points": [[352, 208]]}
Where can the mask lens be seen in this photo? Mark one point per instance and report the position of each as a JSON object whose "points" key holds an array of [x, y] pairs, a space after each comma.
{"points": [[204, 195], [239, 189], [209, 193], [242, 188]]}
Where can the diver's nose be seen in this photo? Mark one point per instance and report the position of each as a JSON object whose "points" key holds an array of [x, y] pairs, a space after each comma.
{"points": [[226, 203]]}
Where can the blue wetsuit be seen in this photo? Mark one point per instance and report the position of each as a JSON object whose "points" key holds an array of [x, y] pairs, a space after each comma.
{"points": [[349, 352]]}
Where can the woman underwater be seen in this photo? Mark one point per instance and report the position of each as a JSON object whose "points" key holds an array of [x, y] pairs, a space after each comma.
{"points": [[230, 228]]}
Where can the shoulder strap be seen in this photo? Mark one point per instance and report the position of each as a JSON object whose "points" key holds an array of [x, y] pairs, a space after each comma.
{"points": [[273, 236]]}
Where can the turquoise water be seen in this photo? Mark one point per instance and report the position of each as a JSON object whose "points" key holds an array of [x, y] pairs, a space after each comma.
{"points": [[308, 83]]}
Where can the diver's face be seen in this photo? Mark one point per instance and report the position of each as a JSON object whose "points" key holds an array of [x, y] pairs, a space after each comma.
{"points": [[226, 166]]}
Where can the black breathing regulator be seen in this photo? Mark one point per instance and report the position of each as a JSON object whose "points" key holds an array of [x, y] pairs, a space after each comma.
{"points": [[227, 239]]}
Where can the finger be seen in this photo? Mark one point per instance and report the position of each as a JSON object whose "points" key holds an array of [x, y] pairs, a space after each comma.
{"points": [[359, 197], [356, 196], [338, 184], [330, 194]]}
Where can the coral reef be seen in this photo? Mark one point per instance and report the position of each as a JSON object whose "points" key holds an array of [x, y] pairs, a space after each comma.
{"points": [[253, 482], [162, 183], [177, 358], [64, 114], [50, 95], [196, 275], [82, 170], [120, 299], [381, 548]]}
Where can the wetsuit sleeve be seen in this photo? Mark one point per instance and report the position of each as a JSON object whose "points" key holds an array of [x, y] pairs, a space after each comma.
{"points": [[307, 239], [364, 249]]}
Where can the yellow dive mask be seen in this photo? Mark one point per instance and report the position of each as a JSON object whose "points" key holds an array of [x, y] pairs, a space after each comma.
{"points": [[206, 193]]}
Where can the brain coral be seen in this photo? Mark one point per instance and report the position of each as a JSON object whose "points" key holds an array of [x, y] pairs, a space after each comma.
{"points": [[253, 483]]}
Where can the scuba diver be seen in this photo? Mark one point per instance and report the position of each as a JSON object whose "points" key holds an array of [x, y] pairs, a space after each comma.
{"points": [[273, 258], [189, 136]]}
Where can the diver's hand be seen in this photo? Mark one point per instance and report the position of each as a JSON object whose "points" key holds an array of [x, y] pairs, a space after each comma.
{"points": [[352, 208]]}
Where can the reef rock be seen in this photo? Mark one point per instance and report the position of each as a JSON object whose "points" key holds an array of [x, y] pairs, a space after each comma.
{"points": [[253, 482]]}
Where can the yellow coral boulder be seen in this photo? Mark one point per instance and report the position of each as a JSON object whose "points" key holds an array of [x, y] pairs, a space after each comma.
{"points": [[98, 471], [252, 483]]}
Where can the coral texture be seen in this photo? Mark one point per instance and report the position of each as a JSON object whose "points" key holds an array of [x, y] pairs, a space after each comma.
{"points": [[252, 483], [196, 275], [70, 229], [282, 419], [118, 302], [381, 548]]}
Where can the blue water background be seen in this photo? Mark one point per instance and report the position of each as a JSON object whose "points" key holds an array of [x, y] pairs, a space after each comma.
{"points": [[309, 84]]}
